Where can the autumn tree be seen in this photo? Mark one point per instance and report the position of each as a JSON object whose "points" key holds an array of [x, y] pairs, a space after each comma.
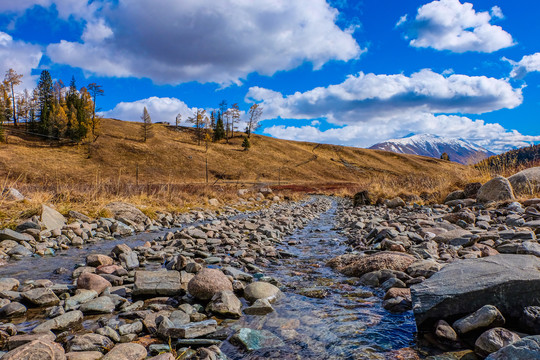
{"points": [[255, 113], [199, 119], [445, 156], [146, 129], [11, 80], [95, 90]]}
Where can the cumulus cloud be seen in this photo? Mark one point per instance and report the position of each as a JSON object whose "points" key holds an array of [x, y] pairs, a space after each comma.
{"points": [[527, 64], [21, 57], [451, 25], [371, 97], [173, 41], [160, 109], [491, 136]]}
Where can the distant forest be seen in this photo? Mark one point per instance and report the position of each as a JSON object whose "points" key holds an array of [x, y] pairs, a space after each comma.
{"points": [[511, 161]]}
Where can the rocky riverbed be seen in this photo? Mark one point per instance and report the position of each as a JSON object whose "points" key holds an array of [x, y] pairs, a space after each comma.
{"points": [[321, 279]]}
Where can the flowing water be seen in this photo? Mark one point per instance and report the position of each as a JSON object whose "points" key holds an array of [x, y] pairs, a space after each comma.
{"points": [[338, 319], [322, 315]]}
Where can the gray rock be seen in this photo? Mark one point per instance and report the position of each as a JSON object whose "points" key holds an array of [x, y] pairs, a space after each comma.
{"points": [[8, 234], [12, 194], [225, 303], [486, 316], [89, 342], [527, 348], [19, 250], [37, 349], [526, 182], [8, 284], [52, 219], [109, 332], [493, 340], [259, 307], [13, 309], [154, 283], [187, 331], [509, 282], [425, 268], [19, 340], [41, 297], [101, 305], [496, 189], [64, 322], [133, 328], [127, 213], [129, 351], [261, 290], [531, 319]]}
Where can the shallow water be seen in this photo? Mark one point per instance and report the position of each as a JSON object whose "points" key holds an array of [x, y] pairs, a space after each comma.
{"points": [[338, 326], [344, 324]]}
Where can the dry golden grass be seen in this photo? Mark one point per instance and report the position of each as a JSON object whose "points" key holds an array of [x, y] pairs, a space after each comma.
{"points": [[171, 170]]}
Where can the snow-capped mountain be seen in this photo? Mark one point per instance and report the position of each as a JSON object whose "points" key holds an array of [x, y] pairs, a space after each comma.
{"points": [[458, 150]]}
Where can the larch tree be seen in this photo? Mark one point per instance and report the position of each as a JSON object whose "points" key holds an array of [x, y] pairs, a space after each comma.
{"points": [[255, 113], [146, 130], [13, 79], [199, 119], [95, 90]]}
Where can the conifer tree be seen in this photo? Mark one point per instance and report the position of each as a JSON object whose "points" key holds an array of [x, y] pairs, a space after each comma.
{"points": [[219, 131], [246, 144]]}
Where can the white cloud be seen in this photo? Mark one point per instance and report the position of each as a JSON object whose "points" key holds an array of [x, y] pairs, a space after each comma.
{"points": [[527, 64], [370, 97], [21, 57], [451, 25], [491, 136], [402, 20], [178, 41], [96, 31], [160, 109], [497, 13]]}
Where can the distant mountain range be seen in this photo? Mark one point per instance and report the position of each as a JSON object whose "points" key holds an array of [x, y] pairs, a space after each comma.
{"points": [[459, 150]]}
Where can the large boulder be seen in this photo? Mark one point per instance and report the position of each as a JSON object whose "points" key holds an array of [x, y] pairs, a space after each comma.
{"points": [[207, 283], [496, 189], [527, 348], [156, 283], [8, 234], [509, 282], [37, 349], [127, 213], [129, 351], [359, 265], [51, 218], [526, 182]]}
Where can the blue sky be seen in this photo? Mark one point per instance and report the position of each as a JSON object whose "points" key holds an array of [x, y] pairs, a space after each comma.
{"points": [[342, 72]]}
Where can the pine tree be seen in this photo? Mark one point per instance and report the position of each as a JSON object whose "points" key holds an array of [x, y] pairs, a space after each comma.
{"points": [[45, 101], [219, 130], [146, 129], [246, 144]]}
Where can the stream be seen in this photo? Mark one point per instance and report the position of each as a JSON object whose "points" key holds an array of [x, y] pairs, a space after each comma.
{"points": [[322, 315]]}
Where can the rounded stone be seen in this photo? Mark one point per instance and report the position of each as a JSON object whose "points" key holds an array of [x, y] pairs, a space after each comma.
{"points": [[261, 290], [89, 281], [207, 283]]}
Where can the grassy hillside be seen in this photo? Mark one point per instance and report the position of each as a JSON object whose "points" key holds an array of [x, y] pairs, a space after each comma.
{"points": [[172, 163], [512, 161]]}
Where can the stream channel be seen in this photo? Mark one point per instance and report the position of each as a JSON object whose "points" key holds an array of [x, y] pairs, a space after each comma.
{"points": [[322, 315]]}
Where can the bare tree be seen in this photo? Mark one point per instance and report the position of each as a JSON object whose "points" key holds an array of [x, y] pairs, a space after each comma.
{"points": [[13, 79], [178, 120], [95, 90], [255, 113], [146, 130], [235, 116]]}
